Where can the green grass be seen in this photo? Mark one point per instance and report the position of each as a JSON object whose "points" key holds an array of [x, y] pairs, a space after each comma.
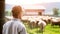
{"points": [[52, 30], [48, 29]]}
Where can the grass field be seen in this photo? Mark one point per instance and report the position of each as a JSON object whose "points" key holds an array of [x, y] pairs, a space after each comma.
{"points": [[48, 30], [52, 29]]}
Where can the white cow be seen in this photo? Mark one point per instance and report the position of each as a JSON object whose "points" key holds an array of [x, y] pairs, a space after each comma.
{"points": [[32, 22], [42, 25]]}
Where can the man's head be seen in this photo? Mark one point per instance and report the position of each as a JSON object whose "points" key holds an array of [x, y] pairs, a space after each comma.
{"points": [[17, 11]]}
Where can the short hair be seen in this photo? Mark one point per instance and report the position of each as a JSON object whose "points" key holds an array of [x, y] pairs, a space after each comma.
{"points": [[16, 10]]}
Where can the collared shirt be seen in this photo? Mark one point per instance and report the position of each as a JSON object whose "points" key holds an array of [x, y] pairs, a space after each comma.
{"points": [[14, 26]]}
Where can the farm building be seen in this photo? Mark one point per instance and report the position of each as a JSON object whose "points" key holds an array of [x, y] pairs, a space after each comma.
{"points": [[33, 10]]}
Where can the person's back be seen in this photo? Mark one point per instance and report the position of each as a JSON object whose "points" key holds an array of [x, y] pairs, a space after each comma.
{"points": [[14, 26]]}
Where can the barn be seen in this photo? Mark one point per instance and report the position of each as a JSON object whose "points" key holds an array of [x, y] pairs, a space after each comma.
{"points": [[32, 10]]}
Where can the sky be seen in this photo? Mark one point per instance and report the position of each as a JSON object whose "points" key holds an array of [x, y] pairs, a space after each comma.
{"points": [[22, 2]]}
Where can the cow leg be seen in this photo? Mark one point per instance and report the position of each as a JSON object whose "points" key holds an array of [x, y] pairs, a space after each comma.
{"points": [[37, 23], [41, 27], [59, 25], [30, 25]]}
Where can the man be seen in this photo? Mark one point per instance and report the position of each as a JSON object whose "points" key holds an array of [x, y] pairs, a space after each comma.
{"points": [[15, 26]]}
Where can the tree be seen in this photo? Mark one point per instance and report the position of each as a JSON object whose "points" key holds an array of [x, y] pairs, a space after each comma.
{"points": [[55, 10], [2, 13]]}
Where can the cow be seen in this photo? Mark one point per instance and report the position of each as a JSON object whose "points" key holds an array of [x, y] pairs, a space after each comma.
{"points": [[55, 21], [42, 25]]}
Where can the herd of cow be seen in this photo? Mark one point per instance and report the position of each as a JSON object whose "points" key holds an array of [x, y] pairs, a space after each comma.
{"points": [[41, 21]]}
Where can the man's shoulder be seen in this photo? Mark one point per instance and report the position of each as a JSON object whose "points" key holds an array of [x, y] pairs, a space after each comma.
{"points": [[7, 23], [21, 24]]}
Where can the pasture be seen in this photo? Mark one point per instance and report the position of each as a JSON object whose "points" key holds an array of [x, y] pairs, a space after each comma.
{"points": [[48, 29]]}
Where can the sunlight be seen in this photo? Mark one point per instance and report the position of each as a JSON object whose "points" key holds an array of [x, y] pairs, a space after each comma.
{"points": [[21, 2]]}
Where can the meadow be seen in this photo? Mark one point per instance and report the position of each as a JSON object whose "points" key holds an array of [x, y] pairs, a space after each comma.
{"points": [[48, 29]]}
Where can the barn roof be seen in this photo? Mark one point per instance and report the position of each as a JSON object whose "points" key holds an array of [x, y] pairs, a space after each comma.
{"points": [[33, 7]]}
